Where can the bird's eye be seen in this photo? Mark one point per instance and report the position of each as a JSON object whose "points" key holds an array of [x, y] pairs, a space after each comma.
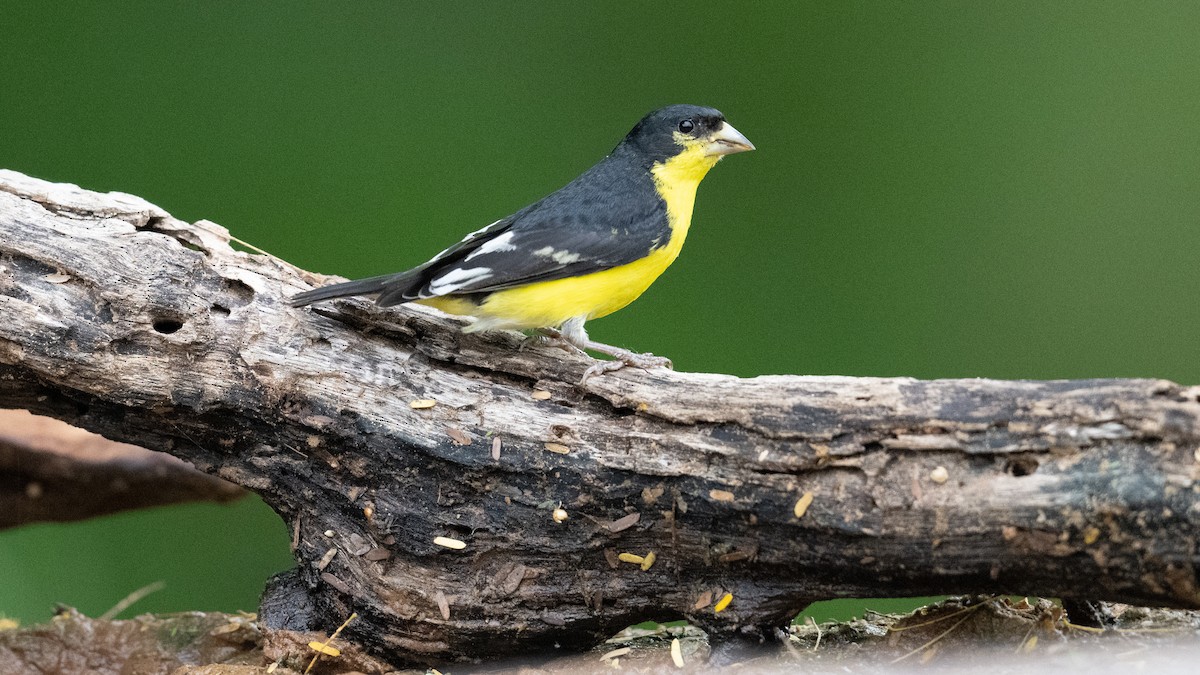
{"points": [[687, 126]]}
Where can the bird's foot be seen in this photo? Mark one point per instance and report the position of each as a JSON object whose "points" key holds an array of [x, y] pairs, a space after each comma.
{"points": [[620, 359], [576, 342]]}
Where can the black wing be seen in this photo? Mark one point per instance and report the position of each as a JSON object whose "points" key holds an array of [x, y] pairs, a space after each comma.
{"points": [[609, 216]]}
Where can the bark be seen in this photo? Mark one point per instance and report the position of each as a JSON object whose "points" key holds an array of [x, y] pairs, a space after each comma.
{"points": [[118, 318]]}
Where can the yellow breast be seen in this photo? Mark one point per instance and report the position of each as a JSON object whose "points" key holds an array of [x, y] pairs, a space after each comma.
{"points": [[550, 303]]}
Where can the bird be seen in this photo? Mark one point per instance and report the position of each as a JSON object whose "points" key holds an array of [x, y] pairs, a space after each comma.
{"points": [[580, 253]]}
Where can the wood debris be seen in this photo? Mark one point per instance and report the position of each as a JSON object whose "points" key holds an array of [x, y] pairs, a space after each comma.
{"points": [[325, 559]]}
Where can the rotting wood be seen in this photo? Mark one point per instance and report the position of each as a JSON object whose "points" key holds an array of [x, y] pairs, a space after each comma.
{"points": [[165, 336]]}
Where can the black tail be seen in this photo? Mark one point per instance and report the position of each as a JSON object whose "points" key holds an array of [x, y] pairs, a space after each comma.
{"points": [[370, 286]]}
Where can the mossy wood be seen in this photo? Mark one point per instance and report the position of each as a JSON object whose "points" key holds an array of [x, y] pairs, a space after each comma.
{"points": [[120, 319]]}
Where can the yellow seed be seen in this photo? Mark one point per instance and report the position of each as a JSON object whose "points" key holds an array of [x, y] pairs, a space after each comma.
{"points": [[723, 603], [1030, 644], [558, 448], [939, 475], [721, 495], [1090, 535], [676, 653], [802, 504], [540, 395], [450, 543], [9, 624], [560, 514], [422, 403], [324, 649], [648, 561], [631, 558]]}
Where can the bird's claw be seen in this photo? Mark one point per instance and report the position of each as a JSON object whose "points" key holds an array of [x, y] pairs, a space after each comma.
{"points": [[643, 361]]}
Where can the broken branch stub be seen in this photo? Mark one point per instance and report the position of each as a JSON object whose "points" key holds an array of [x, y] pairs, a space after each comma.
{"points": [[774, 491]]}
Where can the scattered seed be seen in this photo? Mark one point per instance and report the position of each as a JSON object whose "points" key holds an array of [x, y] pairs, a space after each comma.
{"points": [[559, 515], [422, 403], [450, 543], [631, 558], [802, 504], [336, 583], [540, 395], [328, 533], [369, 511], [57, 278], [443, 605], [703, 601], [314, 441], [326, 559], [621, 651], [1091, 535], [939, 475], [377, 554], [723, 603], [651, 495], [459, 436], [734, 556], [676, 653], [1030, 644], [721, 495], [324, 649], [649, 561], [496, 448], [612, 558], [624, 522], [558, 448]]}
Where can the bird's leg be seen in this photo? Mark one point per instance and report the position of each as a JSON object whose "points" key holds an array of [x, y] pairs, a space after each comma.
{"points": [[572, 337]]}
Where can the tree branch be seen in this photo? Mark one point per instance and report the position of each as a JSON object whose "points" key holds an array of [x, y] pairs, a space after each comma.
{"points": [[118, 318], [50, 471]]}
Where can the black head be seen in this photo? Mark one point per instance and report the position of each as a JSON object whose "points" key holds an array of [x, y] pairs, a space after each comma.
{"points": [[668, 131]]}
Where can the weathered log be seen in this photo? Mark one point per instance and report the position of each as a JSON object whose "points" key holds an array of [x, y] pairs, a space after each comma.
{"points": [[118, 318]]}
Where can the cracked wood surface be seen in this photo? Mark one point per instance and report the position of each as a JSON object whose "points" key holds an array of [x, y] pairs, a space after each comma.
{"points": [[120, 319]]}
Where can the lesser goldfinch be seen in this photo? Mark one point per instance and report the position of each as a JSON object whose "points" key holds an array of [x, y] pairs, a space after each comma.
{"points": [[580, 253]]}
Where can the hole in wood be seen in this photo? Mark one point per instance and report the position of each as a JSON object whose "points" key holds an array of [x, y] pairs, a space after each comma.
{"points": [[167, 326], [1023, 466]]}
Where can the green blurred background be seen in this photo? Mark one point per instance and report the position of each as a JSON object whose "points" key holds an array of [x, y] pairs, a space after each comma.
{"points": [[942, 189]]}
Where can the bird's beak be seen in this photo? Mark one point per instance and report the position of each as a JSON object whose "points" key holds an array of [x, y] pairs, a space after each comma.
{"points": [[726, 141]]}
